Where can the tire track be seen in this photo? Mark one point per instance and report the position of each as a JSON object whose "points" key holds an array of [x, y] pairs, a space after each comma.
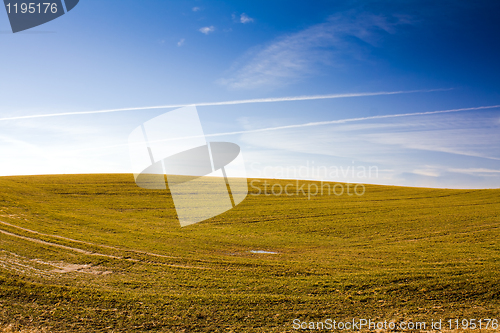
{"points": [[70, 248], [39, 241]]}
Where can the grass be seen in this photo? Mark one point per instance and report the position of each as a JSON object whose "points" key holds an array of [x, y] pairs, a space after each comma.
{"points": [[395, 253]]}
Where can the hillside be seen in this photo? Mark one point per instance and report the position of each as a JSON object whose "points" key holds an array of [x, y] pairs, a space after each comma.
{"points": [[85, 253]]}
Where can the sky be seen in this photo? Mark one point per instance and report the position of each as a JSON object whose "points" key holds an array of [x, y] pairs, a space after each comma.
{"points": [[407, 89]]}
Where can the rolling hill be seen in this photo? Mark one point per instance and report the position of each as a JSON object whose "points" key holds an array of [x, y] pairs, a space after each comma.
{"points": [[89, 253]]}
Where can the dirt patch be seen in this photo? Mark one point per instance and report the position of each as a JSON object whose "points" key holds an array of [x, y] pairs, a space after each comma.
{"points": [[62, 267], [19, 264]]}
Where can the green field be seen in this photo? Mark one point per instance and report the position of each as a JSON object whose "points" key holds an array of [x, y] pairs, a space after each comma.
{"points": [[88, 253]]}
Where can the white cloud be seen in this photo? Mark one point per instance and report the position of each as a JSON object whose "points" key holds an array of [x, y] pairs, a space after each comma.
{"points": [[427, 172], [195, 9], [297, 55], [181, 42], [207, 30], [244, 18], [474, 171]]}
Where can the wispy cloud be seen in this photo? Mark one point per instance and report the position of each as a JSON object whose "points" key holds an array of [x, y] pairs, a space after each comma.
{"points": [[341, 130], [427, 172], [181, 42], [244, 18], [349, 120], [474, 171], [207, 30], [195, 9], [464, 142], [432, 150], [299, 54]]}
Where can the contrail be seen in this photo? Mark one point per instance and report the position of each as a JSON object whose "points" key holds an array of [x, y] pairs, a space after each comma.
{"points": [[244, 101], [341, 121]]}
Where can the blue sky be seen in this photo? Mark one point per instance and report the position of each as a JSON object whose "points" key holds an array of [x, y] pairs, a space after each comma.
{"points": [[132, 54]]}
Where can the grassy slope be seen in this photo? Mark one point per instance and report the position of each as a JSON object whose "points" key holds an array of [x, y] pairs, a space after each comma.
{"points": [[394, 253]]}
